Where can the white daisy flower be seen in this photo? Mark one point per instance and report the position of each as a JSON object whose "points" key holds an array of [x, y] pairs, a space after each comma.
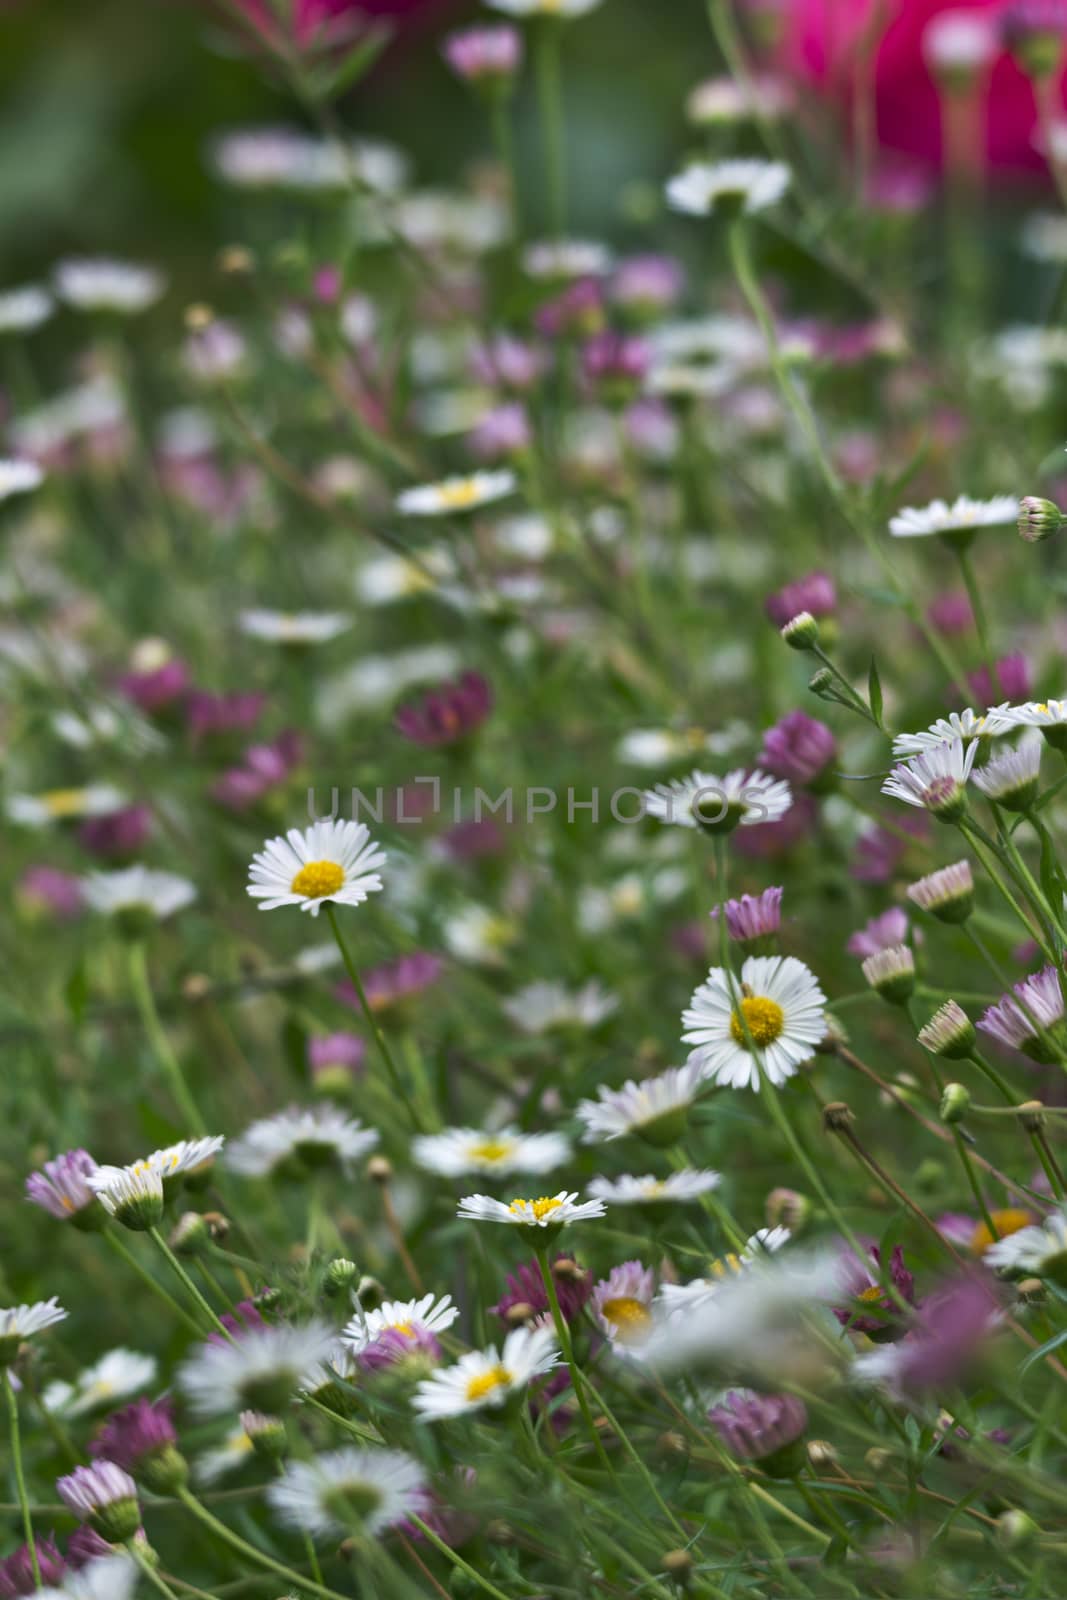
{"points": [[133, 1195], [21, 1322], [456, 494], [107, 285], [963, 725], [294, 627], [936, 779], [233, 1452], [410, 1319], [655, 1109], [778, 1007], [108, 1578], [678, 1188], [718, 804], [566, 258], [550, 1211], [764, 1242], [474, 933], [1048, 715], [321, 1136], [963, 517], [25, 308], [64, 805], [457, 1151], [19, 477], [655, 747], [1038, 1252], [488, 1378], [116, 1376], [386, 579], [349, 1490], [1012, 778], [746, 185], [188, 1155], [289, 158], [137, 889], [330, 861], [541, 1006], [258, 1370]]}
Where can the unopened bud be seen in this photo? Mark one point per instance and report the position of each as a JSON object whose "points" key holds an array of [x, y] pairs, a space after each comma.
{"points": [[1031, 1115], [837, 1117], [519, 1314], [568, 1270], [267, 1434], [1038, 519], [785, 1208], [677, 1564], [198, 317], [801, 632], [236, 260], [821, 1453], [340, 1276], [1015, 1529], [189, 1234], [878, 1459], [380, 1170], [955, 1102], [672, 1443], [370, 1293], [891, 973]]}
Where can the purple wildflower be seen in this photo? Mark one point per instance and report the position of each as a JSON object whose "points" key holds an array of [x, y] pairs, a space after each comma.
{"points": [[754, 917], [859, 1283], [448, 713], [484, 55], [120, 833], [48, 890], [62, 1189], [880, 933], [761, 1427], [799, 748], [1023, 1019], [525, 1287], [140, 1430], [16, 1571], [814, 593]]}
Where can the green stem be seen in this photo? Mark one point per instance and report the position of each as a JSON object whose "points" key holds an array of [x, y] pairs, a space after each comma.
{"points": [[295, 1579], [550, 101], [975, 1186], [183, 1277], [149, 1571], [504, 140], [457, 1560], [116, 1244], [981, 621], [20, 1478], [563, 1334], [371, 1021], [157, 1037]]}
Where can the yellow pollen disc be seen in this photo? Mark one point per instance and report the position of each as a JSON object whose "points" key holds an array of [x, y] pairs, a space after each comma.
{"points": [[497, 1377], [538, 1209], [764, 1019], [458, 496], [871, 1294], [492, 1150], [1005, 1222], [628, 1316], [725, 1266], [317, 880], [64, 802], [404, 1329]]}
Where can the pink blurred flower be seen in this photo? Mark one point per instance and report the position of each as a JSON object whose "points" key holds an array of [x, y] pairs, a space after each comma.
{"points": [[823, 45], [120, 833]]}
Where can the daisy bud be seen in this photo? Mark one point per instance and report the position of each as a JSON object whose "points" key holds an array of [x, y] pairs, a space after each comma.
{"points": [[380, 1170], [892, 973], [821, 682], [236, 261], [878, 1459], [786, 1208], [765, 1428], [105, 1497], [517, 1315], [340, 1276], [267, 1434], [801, 632], [370, 1293], [1038, 519], [1031, 1116], [198, 317], [947, 894], [189, 1235], [677, 1564], [821, 1453], [837, 1117], [949, 1033], [1012, 778], [955, 1103], [1015, 1530]]}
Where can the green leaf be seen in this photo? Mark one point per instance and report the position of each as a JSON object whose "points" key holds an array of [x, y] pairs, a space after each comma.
{"points": [[1044, 1350], [874, 692], [356, 64], [295, 1046]]}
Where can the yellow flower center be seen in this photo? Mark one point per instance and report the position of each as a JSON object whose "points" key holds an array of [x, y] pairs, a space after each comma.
{"points": [[404, 1329], [1005, 1222], [317, 880], [537, 1209], [497, 1377], [726, 1265], [491, 1150], [628, 1316], [458, 496], [762, 1018], [871, 1294], [64, 802]]}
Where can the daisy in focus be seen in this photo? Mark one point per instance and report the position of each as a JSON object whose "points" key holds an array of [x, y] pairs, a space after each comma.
{"points": [[550, 1211], [457, 1151], [456, 494], [935, 780], [330, 861], [487, 1379], [773, 1020]]}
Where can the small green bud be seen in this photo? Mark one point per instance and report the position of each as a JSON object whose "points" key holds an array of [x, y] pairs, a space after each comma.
{"points": [[955, 1102]]}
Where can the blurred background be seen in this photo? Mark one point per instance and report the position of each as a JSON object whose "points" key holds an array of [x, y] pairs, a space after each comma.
{"points": [[107, 108]]}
